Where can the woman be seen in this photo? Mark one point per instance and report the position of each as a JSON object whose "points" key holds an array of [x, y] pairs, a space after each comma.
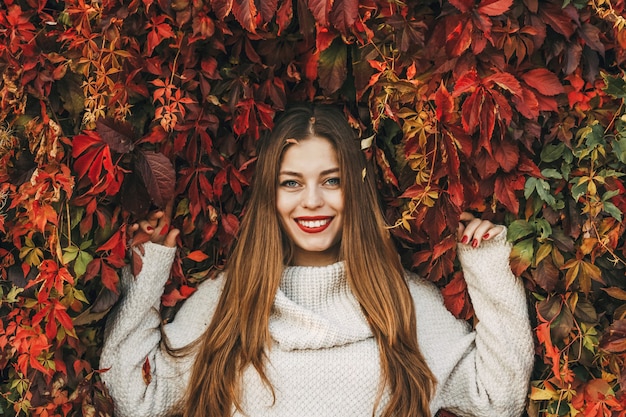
{"points": [[315, 315]]}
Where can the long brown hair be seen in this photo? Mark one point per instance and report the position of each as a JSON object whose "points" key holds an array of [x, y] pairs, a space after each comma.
{"points": [[238, 334]]}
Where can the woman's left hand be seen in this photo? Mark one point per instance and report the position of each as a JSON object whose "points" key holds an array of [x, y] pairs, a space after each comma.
{"points": [[473, 231]]}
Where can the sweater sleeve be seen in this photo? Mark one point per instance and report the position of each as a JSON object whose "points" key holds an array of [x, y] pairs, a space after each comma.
{"points": [[143, 378], [484, 372]]}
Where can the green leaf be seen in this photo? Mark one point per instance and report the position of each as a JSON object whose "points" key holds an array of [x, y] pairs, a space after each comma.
{"points": [[80, 266], [519, 229], [566, 169], [612, 210], [69, 254], [619, 149], [544, 228], [578, 189], [615, 86], [551, 173], [542, 187], [551, 153]]}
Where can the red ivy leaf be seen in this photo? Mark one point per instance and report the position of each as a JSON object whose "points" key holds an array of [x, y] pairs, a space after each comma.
{"points": [[230, 222], [527, 104], [506, 153], [109, 277], [466, 83], [158, 175], [505, 188], [176, 295], [494, 7], [160, 30], [145, 372], [267, 9], [245, 12], [222, 8], [321, 10], [555, 16], [284, 15], [505, 81], [333, 67], [459, 37], [344, 14], [93, 156], [118, 135], [463, 6], [444, 104], [544, 81], [456, 298]]}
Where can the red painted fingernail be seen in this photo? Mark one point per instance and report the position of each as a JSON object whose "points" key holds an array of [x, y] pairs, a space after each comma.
{"points": [[464, 240], [486, 236], [149, 228], [474, 243]]}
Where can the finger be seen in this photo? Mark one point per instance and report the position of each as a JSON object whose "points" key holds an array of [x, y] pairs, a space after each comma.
{"points": [[479, 233], [146, 227], [170, 239], [154, 218], [470, 228], [494, 231]]}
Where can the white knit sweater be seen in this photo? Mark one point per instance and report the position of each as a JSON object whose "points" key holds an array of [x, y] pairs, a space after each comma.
{"points": [[324, 360]]}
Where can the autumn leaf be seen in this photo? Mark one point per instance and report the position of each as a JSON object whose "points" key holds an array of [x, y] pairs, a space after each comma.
{"points": [[494, 7], [197, 256], [146, 372], [343, 15], [456, 298], [321, 10], [118, 135], [544, 81], [245, 12], [332, 67], [444, 104], [157, 173], [159, 31], [615, 338]]}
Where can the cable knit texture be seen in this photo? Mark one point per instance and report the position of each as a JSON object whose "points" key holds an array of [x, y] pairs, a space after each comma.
{"points": [[324, 360]]}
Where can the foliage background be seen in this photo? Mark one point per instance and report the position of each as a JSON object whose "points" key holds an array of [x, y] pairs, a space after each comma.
{"points": [[510, 108]]}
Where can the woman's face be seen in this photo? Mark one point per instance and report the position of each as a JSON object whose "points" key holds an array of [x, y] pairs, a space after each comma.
{"points": [[309, 201]]}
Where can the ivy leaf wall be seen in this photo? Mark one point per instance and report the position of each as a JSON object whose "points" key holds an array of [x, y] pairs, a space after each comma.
{"points": [[510, 108]]}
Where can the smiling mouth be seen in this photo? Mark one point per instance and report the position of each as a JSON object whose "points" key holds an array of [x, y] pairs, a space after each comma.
{"points": [[313, 225]]}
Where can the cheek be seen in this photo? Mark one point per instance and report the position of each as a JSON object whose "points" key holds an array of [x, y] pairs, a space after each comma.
{"points": [[284, 204]]}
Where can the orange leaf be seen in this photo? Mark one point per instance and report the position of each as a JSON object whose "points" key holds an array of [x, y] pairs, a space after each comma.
{"points": [[145, 372], [198, 256]]}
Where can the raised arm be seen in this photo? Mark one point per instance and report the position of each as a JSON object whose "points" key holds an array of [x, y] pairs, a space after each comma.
{"points": [[143, 379], [483, 372]]}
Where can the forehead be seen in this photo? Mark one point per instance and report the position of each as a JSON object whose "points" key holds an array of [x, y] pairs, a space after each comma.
{"points": [[314, 151]]}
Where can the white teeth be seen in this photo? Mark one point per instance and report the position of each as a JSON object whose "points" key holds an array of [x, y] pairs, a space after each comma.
{"points": [[311, 224]]}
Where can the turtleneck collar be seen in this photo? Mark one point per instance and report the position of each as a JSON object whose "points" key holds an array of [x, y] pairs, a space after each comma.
{"points": [[314, 309]]}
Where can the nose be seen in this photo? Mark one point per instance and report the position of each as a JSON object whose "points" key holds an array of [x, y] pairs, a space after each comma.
{"points": [[312, 197]]}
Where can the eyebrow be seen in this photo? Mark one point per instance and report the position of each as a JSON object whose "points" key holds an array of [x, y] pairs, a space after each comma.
{"points": [[299, 175]]}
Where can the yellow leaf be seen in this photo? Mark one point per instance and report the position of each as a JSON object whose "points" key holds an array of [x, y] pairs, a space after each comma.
{"points": [[544, 250], [538, 394], [616, 292]]}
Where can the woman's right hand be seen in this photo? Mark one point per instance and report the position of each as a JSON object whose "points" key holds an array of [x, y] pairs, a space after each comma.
{"points": [[155, 228]]}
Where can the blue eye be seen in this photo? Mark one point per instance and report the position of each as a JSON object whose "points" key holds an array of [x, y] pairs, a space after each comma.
{"points": [[289, 184], [335, 181]]}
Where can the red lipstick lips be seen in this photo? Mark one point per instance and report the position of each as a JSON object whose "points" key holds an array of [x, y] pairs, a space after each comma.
{"points": [[313, 224]]}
